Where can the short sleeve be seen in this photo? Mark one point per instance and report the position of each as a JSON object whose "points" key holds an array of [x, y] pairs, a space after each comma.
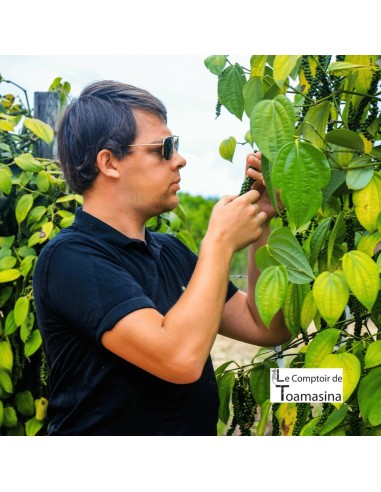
{"points": [[87, 288], [189, 260], [232, 289]]}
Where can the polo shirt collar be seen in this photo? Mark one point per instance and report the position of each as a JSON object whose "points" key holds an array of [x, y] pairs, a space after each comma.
{"points": [[107, 233]]}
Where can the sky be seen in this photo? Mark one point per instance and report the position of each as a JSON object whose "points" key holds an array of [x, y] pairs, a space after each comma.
{"points": [[182, 83], [160, 47]]}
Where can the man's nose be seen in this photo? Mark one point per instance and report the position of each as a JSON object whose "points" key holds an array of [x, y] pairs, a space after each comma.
{"points": [[178, 161]]}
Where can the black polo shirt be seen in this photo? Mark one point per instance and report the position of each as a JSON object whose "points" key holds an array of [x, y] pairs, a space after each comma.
{"points": [[86, 279]]}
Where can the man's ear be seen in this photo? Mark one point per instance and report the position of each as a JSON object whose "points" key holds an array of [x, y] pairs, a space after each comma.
{"points": [[106, 163]]}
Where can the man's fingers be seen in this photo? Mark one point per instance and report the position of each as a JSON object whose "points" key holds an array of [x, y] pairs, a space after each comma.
{"points": [[254, 159], [256, 175], [262, 217], [252, 196], [227, 199]]}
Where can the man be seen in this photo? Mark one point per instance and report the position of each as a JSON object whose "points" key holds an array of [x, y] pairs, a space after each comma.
{"points": [[128, 317]]}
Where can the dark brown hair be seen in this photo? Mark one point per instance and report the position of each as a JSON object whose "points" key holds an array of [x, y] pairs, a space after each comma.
{"points": [[102, 117]]}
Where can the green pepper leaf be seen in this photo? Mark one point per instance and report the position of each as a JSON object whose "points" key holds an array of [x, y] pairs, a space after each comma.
{"points": [[21, 310], [230, 86], [252, 94], [362, 276], [270, 292], [369, 397], [215, 63], [227, 148], [331, 294], [359, 172], [33, 343], [345, 138], [283, 66], [285, 248], [225, 387], [40, 129], [351, 372], [321, 346], [23, 206], [292, 307], [5, 181], [260, 381], [315, 123], [373, 355], [272, 125], [301, 171]]}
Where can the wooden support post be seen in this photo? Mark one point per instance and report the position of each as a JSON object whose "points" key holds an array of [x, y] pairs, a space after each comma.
{"points": [[47, 108]]}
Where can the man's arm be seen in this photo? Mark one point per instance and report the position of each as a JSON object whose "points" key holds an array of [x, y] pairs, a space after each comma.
{"points": [[241, 320], [175, 347]]}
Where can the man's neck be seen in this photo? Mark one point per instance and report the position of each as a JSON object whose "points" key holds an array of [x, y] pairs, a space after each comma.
{"points": [[128, 223]]}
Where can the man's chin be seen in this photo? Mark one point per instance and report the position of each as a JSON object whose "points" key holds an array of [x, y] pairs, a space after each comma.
{"points": [[172, 204], [168, 207]]}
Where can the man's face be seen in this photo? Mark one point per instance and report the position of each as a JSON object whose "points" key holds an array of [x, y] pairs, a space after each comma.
{"points": [[150, 182]]}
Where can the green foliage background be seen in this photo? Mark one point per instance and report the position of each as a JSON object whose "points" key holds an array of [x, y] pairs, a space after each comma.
{"points": [[198, 210], [35, 204]]}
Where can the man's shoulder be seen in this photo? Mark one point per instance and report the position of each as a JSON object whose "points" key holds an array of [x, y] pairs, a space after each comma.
{"points": [[64, 236], [68, 241]]}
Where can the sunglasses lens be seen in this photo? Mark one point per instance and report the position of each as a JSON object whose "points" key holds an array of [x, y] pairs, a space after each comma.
{"points": [[169, 145], [176, 143]]}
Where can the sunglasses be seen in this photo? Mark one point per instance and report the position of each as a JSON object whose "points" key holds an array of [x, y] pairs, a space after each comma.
{"points": [[169, 145]]}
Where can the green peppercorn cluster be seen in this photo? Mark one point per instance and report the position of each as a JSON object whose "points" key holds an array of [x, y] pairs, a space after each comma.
{"points": [[372, 116], [356, 309], [283, 216], [8, 139], [44, 369], [336, 85], [312, 225], [244, 406], [55, 191], [349, 233], [299, 422], [299, 237], [326, 412], [18, 354], [354, 420], [355, 115], [247, 184], [304, 235], [218, 109], [319, 84], [313, 82], [274, 420], [324, 88]]}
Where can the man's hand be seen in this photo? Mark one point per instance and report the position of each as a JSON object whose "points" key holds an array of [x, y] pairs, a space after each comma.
{"points": [[236, 222], [254, 160]]}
